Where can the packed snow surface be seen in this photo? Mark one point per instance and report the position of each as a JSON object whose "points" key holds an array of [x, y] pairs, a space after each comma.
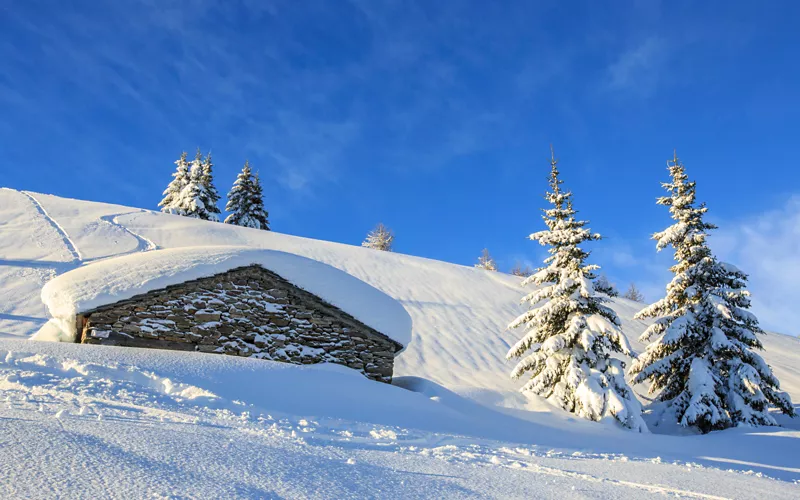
{"points": [[99, 421]]}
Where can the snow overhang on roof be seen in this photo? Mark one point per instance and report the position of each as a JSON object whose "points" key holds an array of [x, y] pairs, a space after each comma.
{"points": [[112, 280]]}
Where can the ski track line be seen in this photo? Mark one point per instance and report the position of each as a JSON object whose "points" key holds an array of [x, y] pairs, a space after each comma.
{"points": [[145, 244], [650, 488], [71, 247]]}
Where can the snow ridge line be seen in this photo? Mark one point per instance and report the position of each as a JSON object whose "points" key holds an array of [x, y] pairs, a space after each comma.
{"points": [[145, 244], [71, 247]]}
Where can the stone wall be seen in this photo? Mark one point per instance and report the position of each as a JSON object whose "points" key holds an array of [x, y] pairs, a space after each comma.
{"points": [[248, 311]]}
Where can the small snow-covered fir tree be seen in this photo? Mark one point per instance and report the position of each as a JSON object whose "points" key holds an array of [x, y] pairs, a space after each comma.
{"points": [[172, 195], [633, 293], [602, 285], [380, 238], [569, 331], [246, 201], [208, 194], [485, 261], [701, 360]]}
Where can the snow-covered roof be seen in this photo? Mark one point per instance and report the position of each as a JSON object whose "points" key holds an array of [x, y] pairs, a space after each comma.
{"points": [[111, 280]]}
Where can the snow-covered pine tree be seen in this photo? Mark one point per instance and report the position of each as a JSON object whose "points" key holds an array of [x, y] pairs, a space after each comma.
{"points": [[246, 201], [191, 202], [169, 204], [602, 285], [209, 194], [380, 238], [633, 293], [702, 363], [485, 261], [569, 330]]}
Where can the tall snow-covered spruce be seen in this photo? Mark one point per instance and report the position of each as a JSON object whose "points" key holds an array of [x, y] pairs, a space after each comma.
{"points": [[380, 238], [701, 360], [569, 332], [172, 195], [246, 201]]}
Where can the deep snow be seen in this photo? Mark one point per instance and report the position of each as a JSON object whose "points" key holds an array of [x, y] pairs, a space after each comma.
{"points": [[166, 424]]}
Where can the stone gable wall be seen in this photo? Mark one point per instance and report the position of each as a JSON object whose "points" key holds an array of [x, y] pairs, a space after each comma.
{"points": [[248, 311]]}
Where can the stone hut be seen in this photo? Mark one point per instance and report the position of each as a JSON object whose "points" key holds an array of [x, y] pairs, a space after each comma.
{"points": [[247, 311]]}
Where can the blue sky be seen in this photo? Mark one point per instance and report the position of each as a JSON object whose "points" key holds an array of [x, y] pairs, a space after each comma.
{"points": [[433, 117]]}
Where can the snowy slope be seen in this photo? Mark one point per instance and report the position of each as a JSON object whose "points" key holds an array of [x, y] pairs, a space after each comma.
{"points": [[455, 358]]}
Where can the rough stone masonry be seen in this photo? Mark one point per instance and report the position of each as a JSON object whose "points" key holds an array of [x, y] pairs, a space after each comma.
{"points": [[248, 311]]}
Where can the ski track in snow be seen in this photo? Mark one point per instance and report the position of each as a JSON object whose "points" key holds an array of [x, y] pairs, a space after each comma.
{"points": [[71, 247], [31, 254], [145, 245]]}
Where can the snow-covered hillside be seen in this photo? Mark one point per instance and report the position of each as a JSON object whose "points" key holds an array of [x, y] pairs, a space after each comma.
{"points": [[171, 424]]}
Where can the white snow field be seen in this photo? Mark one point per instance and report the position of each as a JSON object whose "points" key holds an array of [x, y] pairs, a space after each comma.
{"points": [[108, 422]]}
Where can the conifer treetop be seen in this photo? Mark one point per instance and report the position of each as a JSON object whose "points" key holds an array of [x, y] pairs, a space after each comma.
{"points": [[564, 232]]}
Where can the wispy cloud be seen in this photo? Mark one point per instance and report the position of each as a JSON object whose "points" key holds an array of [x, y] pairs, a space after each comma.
{"points": [[767, 247], [639, 69]]}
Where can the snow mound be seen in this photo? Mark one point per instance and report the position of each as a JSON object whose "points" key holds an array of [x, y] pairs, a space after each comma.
{"points": [[111, 280]]}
